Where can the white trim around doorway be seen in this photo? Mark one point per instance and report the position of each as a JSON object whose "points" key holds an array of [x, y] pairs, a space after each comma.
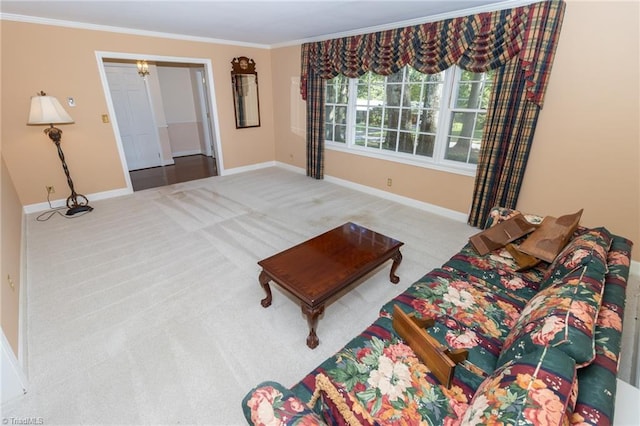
{"points": [[206, 63]]}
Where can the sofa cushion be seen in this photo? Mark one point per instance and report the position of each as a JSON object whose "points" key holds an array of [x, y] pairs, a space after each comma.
{"points": [[562, 315], [591, 246], [499, 271], [469, 313], [539, 388]]}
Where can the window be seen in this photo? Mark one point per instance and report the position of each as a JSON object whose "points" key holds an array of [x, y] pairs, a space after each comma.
{"points": [[402, 116]]}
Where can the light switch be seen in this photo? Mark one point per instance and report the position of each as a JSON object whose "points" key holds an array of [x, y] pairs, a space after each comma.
{"points": [[71, 102]]}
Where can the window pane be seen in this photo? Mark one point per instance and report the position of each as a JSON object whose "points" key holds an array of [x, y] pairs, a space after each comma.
{"points": [[376, 95], [340, 114], [408, 120], [458, 149], [432, 93], [328, 114], [462, 124], [330, 92], [342, 89], [405, 142], [425, 145], [328, 132], [390, 140], [375, 117], [373, 136], [474, 90], [428, 121], [340, 134], [391, 118], [394, 90], [361, 135]]}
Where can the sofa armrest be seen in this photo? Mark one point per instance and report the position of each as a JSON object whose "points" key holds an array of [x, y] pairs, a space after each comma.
{"points": [[272, 403]]}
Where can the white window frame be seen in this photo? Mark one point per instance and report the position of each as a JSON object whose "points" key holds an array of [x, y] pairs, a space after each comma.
{"points": [[437, 162]]}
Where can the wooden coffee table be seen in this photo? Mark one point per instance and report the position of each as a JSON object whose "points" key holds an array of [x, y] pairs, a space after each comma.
{"points": [[319, 268]]}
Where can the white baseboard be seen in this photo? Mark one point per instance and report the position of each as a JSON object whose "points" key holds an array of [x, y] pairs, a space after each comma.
{"points": [[40, 207], [431, 208], [249, 168]]}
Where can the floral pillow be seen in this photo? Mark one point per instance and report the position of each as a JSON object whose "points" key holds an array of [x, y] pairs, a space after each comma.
{"points": [[538, 389], [562, 315], [590, 247], [272, 404]]}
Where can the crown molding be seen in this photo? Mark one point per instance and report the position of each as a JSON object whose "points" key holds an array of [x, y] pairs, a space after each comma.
{"points": [[499, 5], [122, 30]]}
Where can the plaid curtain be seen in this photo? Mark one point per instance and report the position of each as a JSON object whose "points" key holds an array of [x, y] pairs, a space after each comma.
{"points": [[520, 42], [512, 115], [315, 127]]}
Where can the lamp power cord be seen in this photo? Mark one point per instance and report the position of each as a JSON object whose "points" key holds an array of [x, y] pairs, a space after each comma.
{"points": [[44, 216]]}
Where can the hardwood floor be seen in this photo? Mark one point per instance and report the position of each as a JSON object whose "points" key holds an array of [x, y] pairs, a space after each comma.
{"points": [[187, 168]]}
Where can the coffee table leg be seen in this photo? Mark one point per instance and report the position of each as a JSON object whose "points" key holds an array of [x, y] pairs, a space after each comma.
{"points": [[397, 258], [264, 282], [312, 318]]}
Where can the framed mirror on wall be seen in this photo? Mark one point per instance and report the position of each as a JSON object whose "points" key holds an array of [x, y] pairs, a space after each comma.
{"points": [[244, 81]]}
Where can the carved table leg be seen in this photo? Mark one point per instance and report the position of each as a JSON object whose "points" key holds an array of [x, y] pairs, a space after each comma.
{"points": [[397, 258], [312, 318], [264, 282]]}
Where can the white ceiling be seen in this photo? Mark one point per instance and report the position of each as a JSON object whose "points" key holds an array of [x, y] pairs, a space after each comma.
{"points": [[262, 23]]}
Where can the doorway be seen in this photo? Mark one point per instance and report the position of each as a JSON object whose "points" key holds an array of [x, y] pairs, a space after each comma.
{"points": [[165, 123]]}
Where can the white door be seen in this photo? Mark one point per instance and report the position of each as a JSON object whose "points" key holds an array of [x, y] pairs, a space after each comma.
{"points": [[134, 115], [205, 110]]}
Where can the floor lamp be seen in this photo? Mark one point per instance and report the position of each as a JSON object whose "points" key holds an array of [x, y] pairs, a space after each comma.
{"points": [[47, 110]]}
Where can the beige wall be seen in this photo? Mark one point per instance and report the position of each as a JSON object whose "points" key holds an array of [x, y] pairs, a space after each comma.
{"points": [[10, 250], [586, 151], [586, 148], [62, 62]]}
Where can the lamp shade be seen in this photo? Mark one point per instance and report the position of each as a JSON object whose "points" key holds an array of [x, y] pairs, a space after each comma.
{"points": [[47, 110]]}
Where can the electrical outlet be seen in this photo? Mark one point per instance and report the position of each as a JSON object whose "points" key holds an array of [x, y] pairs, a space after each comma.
{"points": [[389, 181], [50, 189]]}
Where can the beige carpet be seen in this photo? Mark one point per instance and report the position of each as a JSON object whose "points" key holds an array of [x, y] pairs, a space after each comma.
{"points": [[147, 310]]}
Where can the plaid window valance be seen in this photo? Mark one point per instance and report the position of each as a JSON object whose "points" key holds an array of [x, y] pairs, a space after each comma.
{"points": [[475, 43]]}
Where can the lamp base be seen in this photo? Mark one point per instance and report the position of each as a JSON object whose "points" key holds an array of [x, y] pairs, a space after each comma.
{"points": [[78, 209]]}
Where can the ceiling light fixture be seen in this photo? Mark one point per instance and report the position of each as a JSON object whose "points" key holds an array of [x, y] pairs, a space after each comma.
{"points": [[143, 68]]}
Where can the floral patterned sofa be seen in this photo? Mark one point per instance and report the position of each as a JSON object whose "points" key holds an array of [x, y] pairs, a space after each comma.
{"points": [[543, 346]]}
